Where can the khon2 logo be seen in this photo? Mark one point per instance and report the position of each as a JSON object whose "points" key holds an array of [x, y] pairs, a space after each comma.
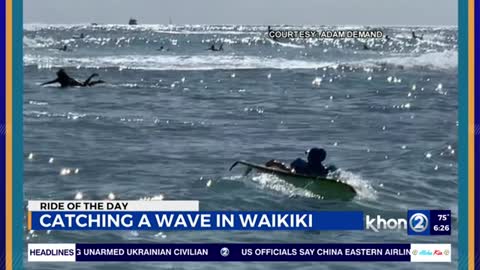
{"points": [[418, 222]]}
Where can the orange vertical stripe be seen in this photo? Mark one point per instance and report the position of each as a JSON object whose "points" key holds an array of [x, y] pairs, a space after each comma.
{"points": [[29, 220]]}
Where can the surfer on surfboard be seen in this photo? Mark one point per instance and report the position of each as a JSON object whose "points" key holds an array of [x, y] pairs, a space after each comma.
{"points": [[313, 166], [66, 81]]}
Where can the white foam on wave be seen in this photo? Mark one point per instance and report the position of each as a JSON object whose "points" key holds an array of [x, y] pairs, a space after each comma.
{"points": [[68, 115], [286, 44], [234, 177], [363, 187], [438, 60], [435, 60], [39, 42], [38, 103], [165, 62], [225, 27], [272, 182], [158, 197], [159, 28]]}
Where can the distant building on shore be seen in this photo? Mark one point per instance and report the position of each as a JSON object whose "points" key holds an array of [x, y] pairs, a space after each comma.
{"points": [[132, 21]]}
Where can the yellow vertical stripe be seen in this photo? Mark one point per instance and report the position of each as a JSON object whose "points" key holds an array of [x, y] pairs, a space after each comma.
{"points": [[471, 135], [8, 135]]}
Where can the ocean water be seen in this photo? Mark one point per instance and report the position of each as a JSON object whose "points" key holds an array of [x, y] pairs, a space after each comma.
{"points": [[168, 125]]}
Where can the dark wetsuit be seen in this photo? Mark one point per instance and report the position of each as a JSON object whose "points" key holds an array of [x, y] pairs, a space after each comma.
{"points": [[302, 167], [312, 167]]}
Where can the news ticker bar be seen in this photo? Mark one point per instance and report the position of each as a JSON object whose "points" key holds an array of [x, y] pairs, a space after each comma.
{"points": [[239, 252], [185, 215]]}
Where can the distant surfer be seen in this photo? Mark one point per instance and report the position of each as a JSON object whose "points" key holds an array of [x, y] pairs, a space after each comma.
{"points": [[81, 36], [312, 167], [132, 21], [162, 48], [66, 81], [269, 30], [414, 36], [64, 48], [365, 46], [212, 48]]}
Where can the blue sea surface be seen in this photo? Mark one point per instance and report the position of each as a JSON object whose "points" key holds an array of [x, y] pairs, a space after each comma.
{"points": [[167, 124]]}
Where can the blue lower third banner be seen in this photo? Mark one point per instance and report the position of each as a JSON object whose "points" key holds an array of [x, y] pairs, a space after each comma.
{"points": [[239, 252], [214, 220]]}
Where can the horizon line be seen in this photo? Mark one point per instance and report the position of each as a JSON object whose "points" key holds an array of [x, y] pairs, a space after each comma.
{"points": [[230, 24]]}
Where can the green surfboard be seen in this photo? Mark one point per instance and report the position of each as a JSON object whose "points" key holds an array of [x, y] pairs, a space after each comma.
{"points": [[326, 187]]}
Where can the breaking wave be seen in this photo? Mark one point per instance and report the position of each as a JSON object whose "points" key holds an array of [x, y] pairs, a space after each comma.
{"points": [[434, 60]]}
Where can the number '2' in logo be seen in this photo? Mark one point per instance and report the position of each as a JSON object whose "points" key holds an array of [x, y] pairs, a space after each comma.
{"points": [[418, 222]]}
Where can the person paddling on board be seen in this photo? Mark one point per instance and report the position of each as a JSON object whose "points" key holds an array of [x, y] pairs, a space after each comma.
{"points": [[313, 166], [66, 81]]}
